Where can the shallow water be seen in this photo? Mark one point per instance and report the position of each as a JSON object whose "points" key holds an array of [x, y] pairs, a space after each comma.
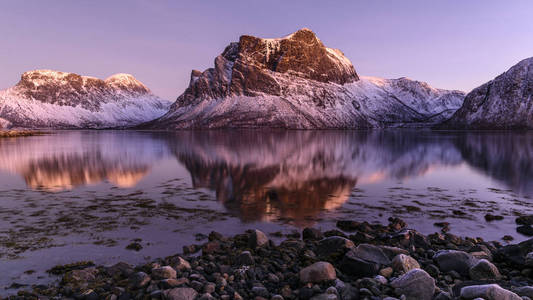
{"points": [[85, 195]]}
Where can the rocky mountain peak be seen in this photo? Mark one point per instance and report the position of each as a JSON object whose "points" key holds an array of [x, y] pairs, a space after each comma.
{"points": [[63, 88], [126, 82], [258, 66], [47, 98], [300, 54]]}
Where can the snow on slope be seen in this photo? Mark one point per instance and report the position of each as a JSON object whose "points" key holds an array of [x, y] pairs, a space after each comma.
{"points": [[45, 98], [367, 103]]}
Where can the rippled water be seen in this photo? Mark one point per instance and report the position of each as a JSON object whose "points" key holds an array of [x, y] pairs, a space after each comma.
{"points": [[80, 195]]}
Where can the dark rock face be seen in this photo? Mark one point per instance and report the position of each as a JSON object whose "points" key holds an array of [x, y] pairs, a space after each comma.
{"points": [[249, 67], [503, 103]]}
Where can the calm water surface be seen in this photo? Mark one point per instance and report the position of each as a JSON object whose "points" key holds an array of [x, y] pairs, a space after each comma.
{"points": [[85, 195]]}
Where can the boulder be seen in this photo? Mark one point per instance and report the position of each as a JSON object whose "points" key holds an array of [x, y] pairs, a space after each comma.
{"points": [[453, 260], [257, 239], [312, 234], [353, 265], [488, 292], [318, 272], [415, 285], [165, 272], [371, 253], [180, 294], [524, 291], [180, 264], [484, 269], [244, 259], [333, 245], [139, 280], [404, 263]]}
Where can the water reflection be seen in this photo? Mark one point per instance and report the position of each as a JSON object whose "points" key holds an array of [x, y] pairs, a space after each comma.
{"points": [[298, 174], [70, 159], [260, 175]]}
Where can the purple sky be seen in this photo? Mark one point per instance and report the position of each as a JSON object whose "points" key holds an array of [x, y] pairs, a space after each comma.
{"points": [[452, 44]]}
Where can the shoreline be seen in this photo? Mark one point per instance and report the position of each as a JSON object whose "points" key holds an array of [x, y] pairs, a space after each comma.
{"points": [[19, 133], [358, 260]]}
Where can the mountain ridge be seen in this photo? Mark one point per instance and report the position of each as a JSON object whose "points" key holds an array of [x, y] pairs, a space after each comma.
{"points": [[48, 98], [296, 82]]}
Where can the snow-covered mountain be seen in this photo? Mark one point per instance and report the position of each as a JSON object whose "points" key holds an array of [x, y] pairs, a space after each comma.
{"points": [[297, 82], [45, 98], [506, 102]]}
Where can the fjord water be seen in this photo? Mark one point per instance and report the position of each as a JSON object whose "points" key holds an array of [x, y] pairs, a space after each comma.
{"points": [[84, 195]]}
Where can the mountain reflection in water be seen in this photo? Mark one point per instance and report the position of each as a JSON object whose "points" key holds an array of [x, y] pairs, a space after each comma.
{"points": [[262, 175]]}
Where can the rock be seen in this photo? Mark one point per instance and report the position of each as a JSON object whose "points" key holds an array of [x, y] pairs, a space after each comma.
{"points": [[488, 292], [244, 259], [325, 296], [490, 218], [529, 259], [166, 272], [347, 225], [210, 247], [386, 272], [333, 245], [121, 269], [416, 285], [172, 283], [371, 253], [443, 296], [525, 230], [210, 288], [312, 234], [392, 252], [524, 220], [483, 269], [353, 265], [260, 291], [258, 239], [318, 272], [524, 291], [79, 278], [403, 263], [180, 264], [139, 280], [453, 260], [180, 294]]}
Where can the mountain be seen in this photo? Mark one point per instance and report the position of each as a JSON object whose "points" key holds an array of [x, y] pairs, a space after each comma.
{"points": [[297, 82], [506, 102], [45, 98]]}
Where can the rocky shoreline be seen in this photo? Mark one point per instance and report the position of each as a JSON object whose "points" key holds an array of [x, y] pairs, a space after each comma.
{"points": [[356, 261], [18, 133]]}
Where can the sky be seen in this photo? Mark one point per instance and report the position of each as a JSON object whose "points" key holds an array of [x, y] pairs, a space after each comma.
{"points": [[452, 44]]}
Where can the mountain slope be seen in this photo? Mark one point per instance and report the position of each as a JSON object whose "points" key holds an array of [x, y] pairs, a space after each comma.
{"points": [[297, 82], [506, 102], [45, 98]]}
